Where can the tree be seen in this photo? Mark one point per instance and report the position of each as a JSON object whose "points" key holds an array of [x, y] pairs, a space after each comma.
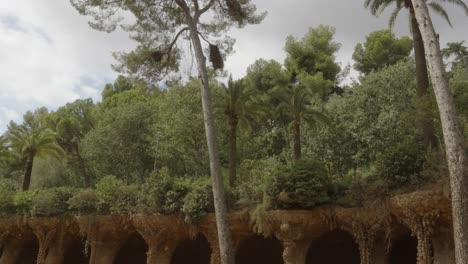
{"points": [[157, 27], [296, 101], [458, 51], [311, 65], [422, 79], [71, 123], [30, 139], [239, 106], [453, 136], [380, 50]]}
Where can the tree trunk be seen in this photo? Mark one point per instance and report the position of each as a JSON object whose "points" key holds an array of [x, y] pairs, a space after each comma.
{"points": [[222, 223], [297, 137], [28, 171], [422, 78], [232, 151], [82, 168], [453, 136]]}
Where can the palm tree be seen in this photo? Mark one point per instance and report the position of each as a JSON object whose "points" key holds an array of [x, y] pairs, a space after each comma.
{"points": [[31, 139], [422, 80], [453, 136], [296, 101], [240, 106]]}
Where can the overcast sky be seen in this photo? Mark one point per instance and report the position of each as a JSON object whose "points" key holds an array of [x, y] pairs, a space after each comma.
{"points": [[49, 56]]}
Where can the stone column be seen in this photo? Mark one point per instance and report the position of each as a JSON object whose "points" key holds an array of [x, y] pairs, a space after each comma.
{"points": [[443, 248], [106, 235], [11, 251], [162, 234], [295, 247]]}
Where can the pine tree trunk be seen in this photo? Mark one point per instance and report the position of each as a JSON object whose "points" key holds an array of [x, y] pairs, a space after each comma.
{"points": [[232, 151], [222, 223], [297, 137], [28, 171], [453, 136], [422, 78]]}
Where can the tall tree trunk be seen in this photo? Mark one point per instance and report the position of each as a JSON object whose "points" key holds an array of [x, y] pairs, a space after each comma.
{"points": [[422, 78], [453, 136], [28, 171], [82, 168], [222, 222], [232, 151], [297, 137]]}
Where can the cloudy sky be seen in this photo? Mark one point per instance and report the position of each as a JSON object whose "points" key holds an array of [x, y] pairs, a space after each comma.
{"points": [[49, 55]]}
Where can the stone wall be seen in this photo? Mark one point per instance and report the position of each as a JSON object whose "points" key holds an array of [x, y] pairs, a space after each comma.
{"points": [[409, 228]]}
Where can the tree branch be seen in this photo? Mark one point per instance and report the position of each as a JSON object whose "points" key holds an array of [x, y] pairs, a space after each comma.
{"points": [[204, 9]]}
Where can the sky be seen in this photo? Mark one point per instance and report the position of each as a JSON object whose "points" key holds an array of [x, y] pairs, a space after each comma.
{"points": [[50, 56]]}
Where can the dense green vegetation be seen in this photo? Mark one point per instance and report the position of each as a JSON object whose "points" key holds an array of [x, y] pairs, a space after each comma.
{"points": [[292, 136]]}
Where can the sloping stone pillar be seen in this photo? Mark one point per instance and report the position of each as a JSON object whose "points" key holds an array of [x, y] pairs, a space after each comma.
{"points": [[54, 236], [162, 234], [15, 234], [443, 247], [295, 247], [106, 234]]}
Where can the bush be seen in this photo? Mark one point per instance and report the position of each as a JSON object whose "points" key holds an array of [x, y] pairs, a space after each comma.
{"points": [[303, 185], [106, 192], [399, 164], [125, 199], [198, 202], [84, 201], [23, 201], [7, 193], [50, 202], [162, 193]]}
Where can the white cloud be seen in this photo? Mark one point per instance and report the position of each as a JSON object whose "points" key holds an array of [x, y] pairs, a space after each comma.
{"points": [[49, 55]]}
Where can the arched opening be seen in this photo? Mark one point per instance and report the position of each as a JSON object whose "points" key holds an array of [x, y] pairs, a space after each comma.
{"points": [[197, 251], [404, 249], [334, 248], [28, 253], [258, 249], [77, 253], [133, 251]]}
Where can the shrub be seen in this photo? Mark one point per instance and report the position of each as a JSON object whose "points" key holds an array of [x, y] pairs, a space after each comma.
{"points": [[125, 199], [163, 193], [198, 202], [303, 185], [7, 193], [106, 192], [23, 201], [399, 164], [49, 202], [84, 201]]}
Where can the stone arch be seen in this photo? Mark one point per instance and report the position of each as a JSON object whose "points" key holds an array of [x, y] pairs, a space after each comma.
{"points": [[258, 249], [77, 253], [194, 251], [403, 248], [334, 247], [29, 251], [132, 251]]}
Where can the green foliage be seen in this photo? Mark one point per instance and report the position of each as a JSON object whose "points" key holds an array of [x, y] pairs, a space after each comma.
{"points": [[50, 202], [303, 185], [198, 202], [84, 201], [381, 50], [7, 194], [23, 201], [114, 196]]}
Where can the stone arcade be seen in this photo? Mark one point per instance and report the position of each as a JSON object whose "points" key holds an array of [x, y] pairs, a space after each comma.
{"points": [[409, 228]]}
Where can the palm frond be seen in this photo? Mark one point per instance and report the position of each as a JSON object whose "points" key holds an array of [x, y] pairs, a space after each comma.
{"points": [[441, 11], [460, 3], [394, 16]]}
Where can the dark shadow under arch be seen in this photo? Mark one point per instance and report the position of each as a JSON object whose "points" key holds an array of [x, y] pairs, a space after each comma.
{"points": [[404, 249], [197, 251], [335, 247], [76, 253], [28, 253], [133, 251], [258, 249]]}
